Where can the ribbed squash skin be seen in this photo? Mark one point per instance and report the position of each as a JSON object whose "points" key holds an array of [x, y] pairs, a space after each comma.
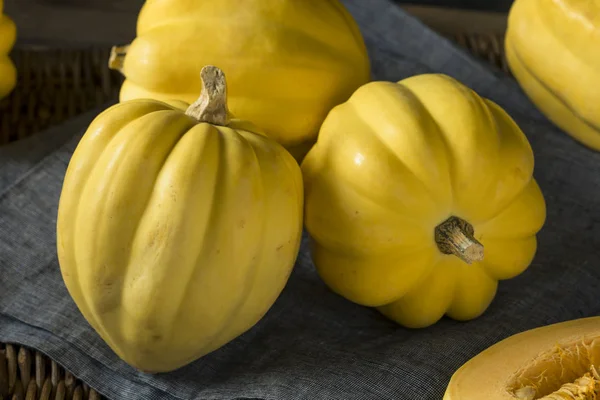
{"points": [[393, 163], [8, 36], [553, 50], [288, 62], [175, 236]]}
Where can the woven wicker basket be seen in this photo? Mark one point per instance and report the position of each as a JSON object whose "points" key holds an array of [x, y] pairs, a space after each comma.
{"points": [[27, 374], [55, 85]]}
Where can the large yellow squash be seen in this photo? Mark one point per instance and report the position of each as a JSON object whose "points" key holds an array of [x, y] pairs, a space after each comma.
{"points": [[419, 197], [8, 35], [288, 62], [177, 230], [555, 362], [553, 50]]}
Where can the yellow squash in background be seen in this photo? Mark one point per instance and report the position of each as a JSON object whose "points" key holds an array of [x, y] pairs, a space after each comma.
{"points": [[554, 362], [553, 50], [288, 62], [419, 197], [8, 35], [177, 230]]}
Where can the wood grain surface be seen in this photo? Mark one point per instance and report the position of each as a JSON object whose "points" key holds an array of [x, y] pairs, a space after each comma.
{"points": [[81, 23], [73, 23]]}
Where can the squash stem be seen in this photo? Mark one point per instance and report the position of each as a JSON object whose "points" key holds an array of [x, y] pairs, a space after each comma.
{"points": [[455, 236], [211, 106], [117, 57]]}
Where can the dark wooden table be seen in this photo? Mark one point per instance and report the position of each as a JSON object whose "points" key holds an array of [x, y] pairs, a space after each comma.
{"points": [[81, 23], [76, 23]]}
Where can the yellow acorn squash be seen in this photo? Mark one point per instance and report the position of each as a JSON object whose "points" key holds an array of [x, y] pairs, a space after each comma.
{"points": [[553, 50], [8, 35], [554, 362], [177, 230], [287, 62], [419, 197]]}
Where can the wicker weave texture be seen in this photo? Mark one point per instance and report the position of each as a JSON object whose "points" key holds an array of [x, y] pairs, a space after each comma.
{"points": [[53, 86], [489, 47], [29, 375]]}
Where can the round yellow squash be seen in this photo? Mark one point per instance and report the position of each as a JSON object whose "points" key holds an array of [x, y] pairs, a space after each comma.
{"points": [[553, 50], [288, 62], [8, 35], [177, 230], [554, 362], [419, 197]]}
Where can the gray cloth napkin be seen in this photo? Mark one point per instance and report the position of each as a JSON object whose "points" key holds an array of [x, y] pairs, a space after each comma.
{"points": [[313, 344]]}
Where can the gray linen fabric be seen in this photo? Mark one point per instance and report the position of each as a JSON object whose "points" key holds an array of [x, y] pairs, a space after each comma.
{"points": [[313, 344]]}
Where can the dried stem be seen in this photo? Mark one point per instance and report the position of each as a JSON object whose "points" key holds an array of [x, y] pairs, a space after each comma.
{"points": [[455, 236], [211, 106], [117, 57]]}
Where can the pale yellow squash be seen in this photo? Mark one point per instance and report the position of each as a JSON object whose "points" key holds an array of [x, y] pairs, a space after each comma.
{"points": [[554, 362], [177, 230], [8, 36], [400, 177], [553, 50], [288, 62]]}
